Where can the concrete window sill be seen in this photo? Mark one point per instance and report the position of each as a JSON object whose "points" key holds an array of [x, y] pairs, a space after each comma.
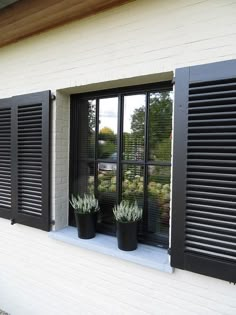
{"points": [[145, 255]]}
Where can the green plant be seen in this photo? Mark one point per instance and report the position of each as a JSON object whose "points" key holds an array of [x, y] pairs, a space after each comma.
{"points": [[127, 212], [86, 204]]}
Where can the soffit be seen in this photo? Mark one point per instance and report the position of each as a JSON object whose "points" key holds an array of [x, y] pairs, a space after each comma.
{"points": [[28, 17]]}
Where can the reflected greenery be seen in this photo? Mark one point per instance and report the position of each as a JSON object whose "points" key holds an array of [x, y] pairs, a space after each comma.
{"points": [[107, 181], [107, 133], [132, 182], [160, 125], [91, 127], [107, 143], [159, 195]]}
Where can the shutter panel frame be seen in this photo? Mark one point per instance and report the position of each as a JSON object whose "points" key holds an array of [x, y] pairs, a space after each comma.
{"points": [[179, 168], [42, 221], [6, 104], [196, 86], [30, 202]]}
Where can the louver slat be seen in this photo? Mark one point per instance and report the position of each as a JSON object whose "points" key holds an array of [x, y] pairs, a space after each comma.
{"points": [[219, 202], [204, 212], [5, 160]]}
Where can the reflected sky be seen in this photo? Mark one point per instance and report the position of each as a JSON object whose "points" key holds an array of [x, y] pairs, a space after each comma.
{"points": [[108, 110], [131, 103]]}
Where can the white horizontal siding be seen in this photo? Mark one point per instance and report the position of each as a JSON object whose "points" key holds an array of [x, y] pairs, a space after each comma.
{"points": [[39, 275]]}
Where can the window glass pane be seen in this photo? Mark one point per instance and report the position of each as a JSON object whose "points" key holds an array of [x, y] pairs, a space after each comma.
{"points": [[91, 127], [107, 134], [85, 128], [160, 126], [133, 127], [132, 183], [83, 182], [106, 192], [106, 177], [158, 200], [90, 189]]}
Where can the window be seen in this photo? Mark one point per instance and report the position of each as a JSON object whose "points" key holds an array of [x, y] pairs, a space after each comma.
{"points": [[121, 149]]}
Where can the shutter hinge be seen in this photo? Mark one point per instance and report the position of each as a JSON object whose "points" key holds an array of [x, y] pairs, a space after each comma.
{"points": [[169, 251], [173, 81], [53, 97], [52, 222], [13, 221]]}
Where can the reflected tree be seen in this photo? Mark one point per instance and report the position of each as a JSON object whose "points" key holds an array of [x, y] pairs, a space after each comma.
{"points": [[160, 125]]}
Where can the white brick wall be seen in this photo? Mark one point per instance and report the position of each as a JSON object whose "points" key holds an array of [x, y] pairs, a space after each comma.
{"points": [[39, 275], [60, 160], [140, 38], [140, 42]]}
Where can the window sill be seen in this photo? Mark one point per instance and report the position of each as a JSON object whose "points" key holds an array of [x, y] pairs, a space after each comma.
{"points": [[145, 255]]}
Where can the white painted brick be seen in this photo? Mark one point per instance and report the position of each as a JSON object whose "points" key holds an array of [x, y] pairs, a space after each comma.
{"points": [[173, 34], [51, 277]]}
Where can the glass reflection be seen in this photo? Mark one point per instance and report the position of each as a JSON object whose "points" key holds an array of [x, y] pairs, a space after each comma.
{"points": [[106, 177], [84, 182], [91, 127], [106, 193], [85, 128], [132, 183], [160, 126], [133, 127], [107, 133], [158, 199]]}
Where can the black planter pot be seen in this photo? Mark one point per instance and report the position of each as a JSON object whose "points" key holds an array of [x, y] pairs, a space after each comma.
{"points": [[86, 224], [127, 235]]}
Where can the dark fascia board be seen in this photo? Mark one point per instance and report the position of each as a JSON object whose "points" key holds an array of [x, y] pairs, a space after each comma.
{"points": [[25, 18]]}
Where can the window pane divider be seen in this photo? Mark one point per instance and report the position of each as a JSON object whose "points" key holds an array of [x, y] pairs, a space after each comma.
{"points": [[139, 162], [146, 153], [161, 163], [119, 148], [96, 149], [106, 161]]}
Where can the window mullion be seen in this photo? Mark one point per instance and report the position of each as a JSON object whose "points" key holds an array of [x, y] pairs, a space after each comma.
{"points": [[96, 149], [146, 153], [119, 147]]}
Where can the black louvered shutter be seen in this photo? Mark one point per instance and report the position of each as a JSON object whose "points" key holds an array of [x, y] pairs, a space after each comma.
{"points": [[25, 163], [203, 237], [5, 158]]}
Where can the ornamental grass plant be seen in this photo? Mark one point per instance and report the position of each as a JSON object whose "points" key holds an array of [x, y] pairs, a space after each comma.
{"points": [[85, 204], [127, 212]]}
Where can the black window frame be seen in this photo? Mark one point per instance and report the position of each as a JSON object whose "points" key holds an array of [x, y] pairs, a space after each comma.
{"points": [[146, 89]]}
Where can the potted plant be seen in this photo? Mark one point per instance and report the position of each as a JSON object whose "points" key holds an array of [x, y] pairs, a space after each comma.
{"points": [[127, 216], [85, 209]]}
